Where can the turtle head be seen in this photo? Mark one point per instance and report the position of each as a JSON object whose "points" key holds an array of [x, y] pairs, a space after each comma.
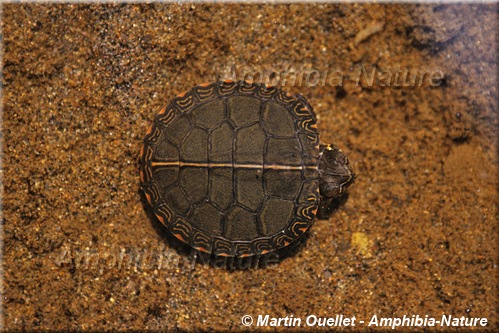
{"points": [[335, 173]]}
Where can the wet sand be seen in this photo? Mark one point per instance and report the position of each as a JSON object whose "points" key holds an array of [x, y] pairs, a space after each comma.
{"points": [[417, 234]]}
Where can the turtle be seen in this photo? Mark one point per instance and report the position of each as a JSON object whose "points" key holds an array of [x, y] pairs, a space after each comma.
{"points": [[236, 169]]}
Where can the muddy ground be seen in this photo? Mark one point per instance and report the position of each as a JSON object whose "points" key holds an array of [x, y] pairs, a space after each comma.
{"points": [[408, 92]]}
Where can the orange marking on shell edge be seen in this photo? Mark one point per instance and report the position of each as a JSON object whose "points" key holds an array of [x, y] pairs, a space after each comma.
{"points": [[148, 198], [264, 252], [149, 130], [303, 229], [142, 151], [162, 111], [286, 243], [160, 218], [245, 255], [182, 94], [180, 237], [202, 249], [314, 126], [205, 84], [223, 255], [141, 176], [228, 81]]}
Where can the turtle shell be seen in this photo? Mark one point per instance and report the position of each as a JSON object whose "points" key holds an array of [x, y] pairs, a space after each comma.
{"points": [[230, 168]]}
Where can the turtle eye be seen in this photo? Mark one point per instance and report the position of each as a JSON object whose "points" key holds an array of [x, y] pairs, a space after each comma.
{"points": [[335, 156]]}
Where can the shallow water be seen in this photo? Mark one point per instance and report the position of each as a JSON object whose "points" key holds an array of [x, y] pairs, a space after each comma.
{"points": [[408, 93]]}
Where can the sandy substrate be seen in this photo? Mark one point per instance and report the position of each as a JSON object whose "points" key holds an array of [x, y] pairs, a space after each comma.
{"points": [[417, 234]]}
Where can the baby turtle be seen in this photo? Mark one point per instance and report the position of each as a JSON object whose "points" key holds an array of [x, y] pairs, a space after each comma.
{"points": [[236, 169]]}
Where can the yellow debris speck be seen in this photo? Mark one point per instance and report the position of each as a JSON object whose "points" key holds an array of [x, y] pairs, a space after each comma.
{"points": [[362, 243]]}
